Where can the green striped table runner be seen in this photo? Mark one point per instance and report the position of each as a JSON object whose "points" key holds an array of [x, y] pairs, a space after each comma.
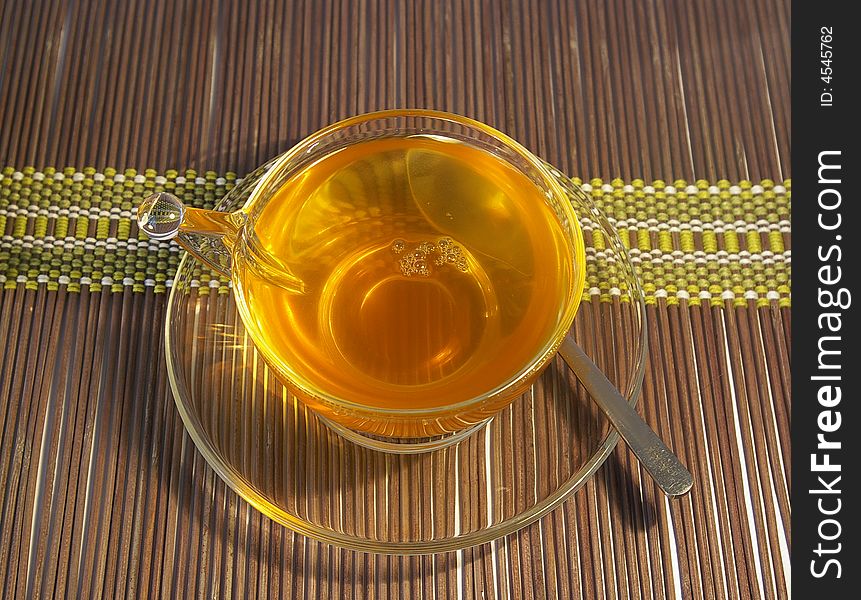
{"points": [[694, 242]]}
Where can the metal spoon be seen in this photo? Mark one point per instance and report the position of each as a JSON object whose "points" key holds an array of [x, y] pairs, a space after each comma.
{"points": [[664, 466]]}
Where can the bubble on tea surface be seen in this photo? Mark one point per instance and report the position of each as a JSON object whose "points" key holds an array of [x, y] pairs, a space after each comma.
{"points": [[413, 263], [416, 261]]}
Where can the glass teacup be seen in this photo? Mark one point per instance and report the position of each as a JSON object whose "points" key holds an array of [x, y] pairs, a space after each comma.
{"points": [[405, 273]]}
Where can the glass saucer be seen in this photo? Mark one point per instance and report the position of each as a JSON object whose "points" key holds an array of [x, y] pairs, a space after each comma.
{"points": [[280, 457]]}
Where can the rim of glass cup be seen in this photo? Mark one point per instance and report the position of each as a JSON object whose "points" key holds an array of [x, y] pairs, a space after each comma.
{"points": [[236, 481], [542, 356]]}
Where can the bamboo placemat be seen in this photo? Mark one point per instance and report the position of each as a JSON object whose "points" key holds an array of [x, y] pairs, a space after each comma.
{"points": [[103, 493]]}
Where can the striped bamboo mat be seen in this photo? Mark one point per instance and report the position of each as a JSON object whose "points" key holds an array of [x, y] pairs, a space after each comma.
{"points": [[103, 495], [689, 241]]}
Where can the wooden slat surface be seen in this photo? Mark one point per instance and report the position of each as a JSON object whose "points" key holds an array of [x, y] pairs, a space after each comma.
{"points": [[655, 90], [103, 495]]}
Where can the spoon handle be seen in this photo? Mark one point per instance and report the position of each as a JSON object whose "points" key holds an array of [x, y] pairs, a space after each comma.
{"points": [[664, 466]]}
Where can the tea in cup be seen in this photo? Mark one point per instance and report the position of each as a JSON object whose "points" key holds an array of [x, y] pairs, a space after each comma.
{"points": [[404, 273]]}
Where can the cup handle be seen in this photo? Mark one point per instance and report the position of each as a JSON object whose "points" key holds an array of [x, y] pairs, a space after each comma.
{"points": [[208, 235]]}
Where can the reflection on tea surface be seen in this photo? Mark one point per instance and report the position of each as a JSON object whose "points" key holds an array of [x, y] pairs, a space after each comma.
{"points": [[427, 272]]}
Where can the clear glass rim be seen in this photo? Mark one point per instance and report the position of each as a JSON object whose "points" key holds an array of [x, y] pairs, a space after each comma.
{"points": [[235, 480], [542, 356]]}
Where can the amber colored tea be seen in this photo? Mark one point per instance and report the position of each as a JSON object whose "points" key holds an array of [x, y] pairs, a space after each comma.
{"points": [[425, 272]]}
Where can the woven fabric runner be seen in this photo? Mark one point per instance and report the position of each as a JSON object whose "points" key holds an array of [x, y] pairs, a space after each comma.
{"points": [[698, 242]]}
